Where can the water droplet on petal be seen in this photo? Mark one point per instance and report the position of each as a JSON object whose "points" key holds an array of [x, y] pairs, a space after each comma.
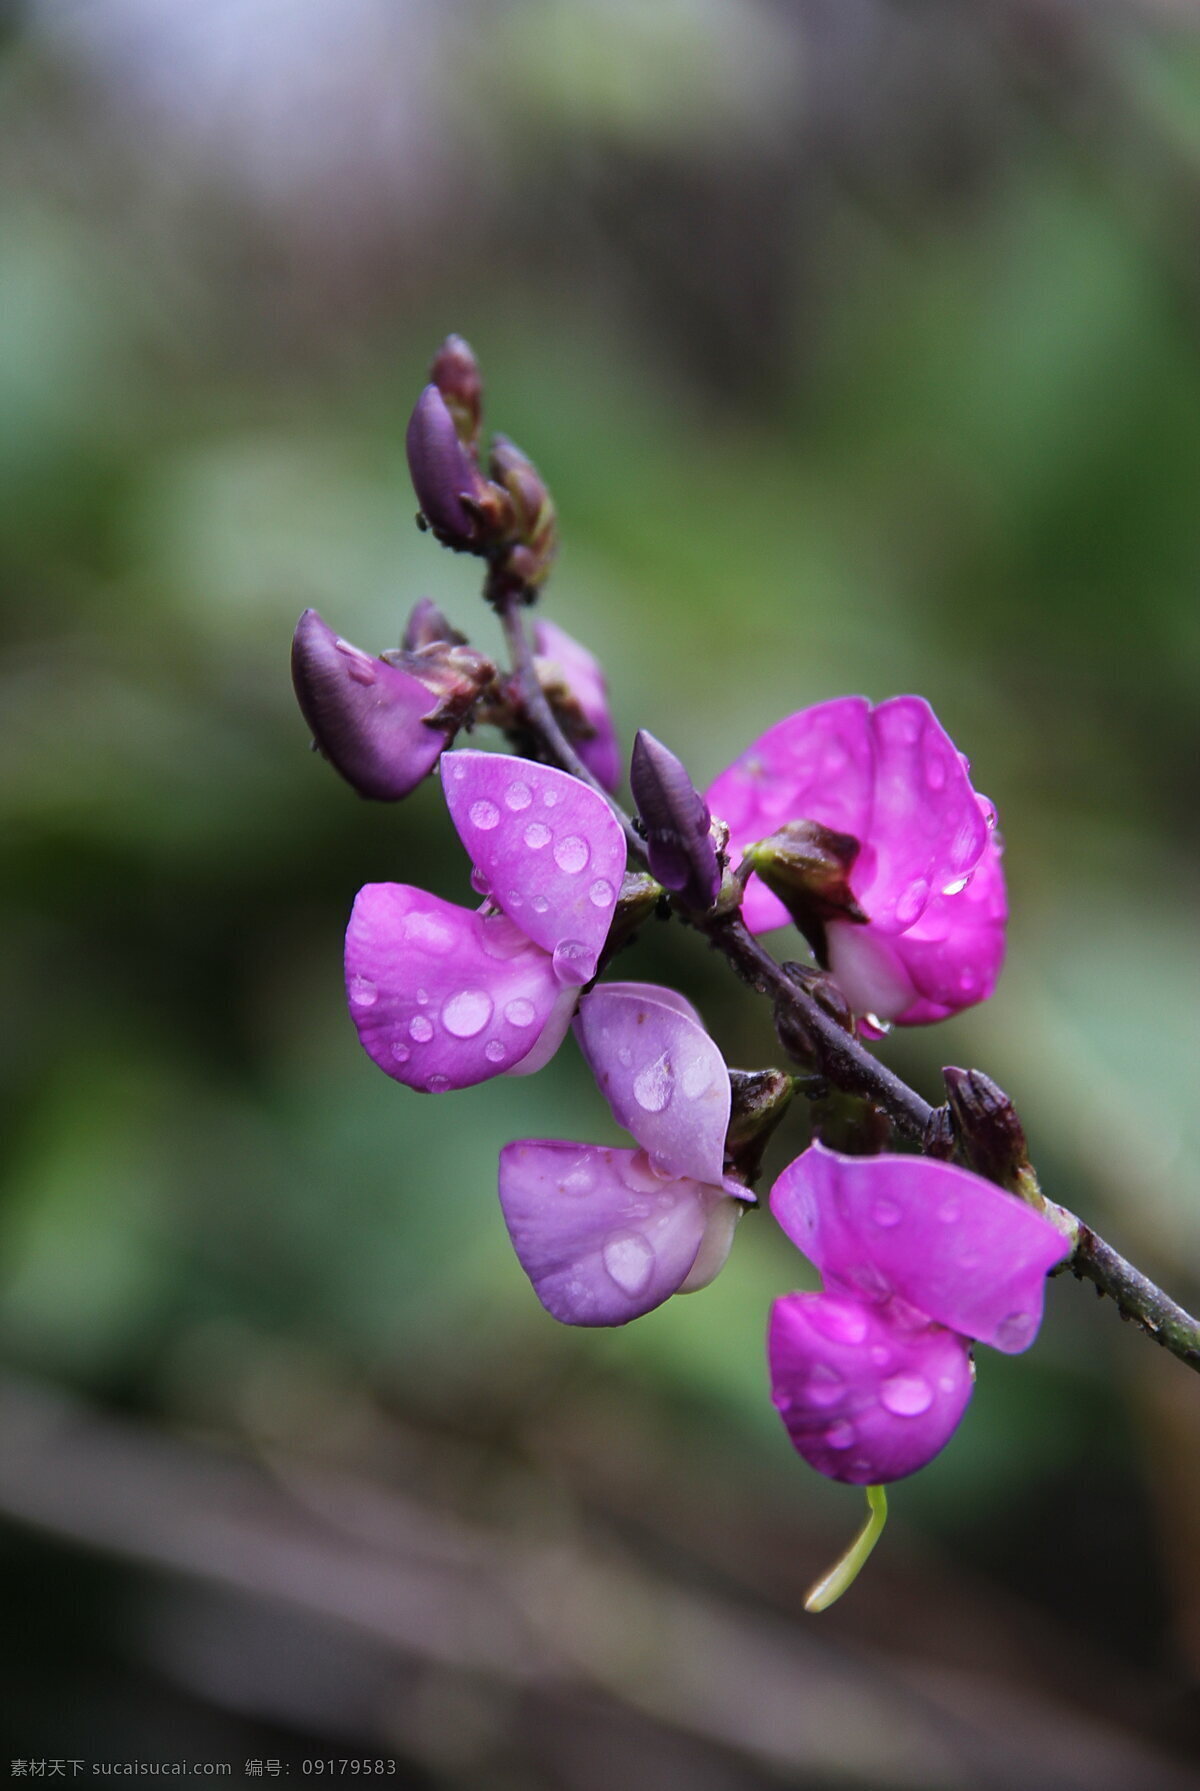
{"points": [[652, 1085], [571, 854], [881, 1355], [458, 772], [536, 835], [515, 899], [422, 997], [911, 905], [1015, 1329], [420, 1029], [629, 1261], [906, 1395], [580, 1181], [429, 933], [841, 1435], [968, 982], [494, 1051], [949, 1212], [401, 1052], [881, 1028], [947, 1383], [467, 1013], [437, 1084], [520, 1012], [517, 797], [886, 1212], [484, 814], [539, 905], [696, 1077], [573, 962], [840, 1323], [358, 663], [624, 1055], [602, 894], [363, 992], [956, 887], [835, 759], [935, 769], [825, 1385], [550, 798]]}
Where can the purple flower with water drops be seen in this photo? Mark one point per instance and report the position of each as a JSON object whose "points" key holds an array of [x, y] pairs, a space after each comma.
{"points": [[606, 1235], [565, 666], [927, 873], [918, 1258], [444, 997]]}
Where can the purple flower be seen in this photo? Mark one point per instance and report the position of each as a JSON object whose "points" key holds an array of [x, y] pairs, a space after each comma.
{"points": [[872, 1375], [679, 842], [582, 679], [444, 997], [927, 873], [606, 1235], [375, 723], [443, 473]]}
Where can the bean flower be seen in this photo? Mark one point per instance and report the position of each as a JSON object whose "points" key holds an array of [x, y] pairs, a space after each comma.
{"points": [[607, 1234], [927, 872], [443, 996], [563, 661], [918, 1259]]}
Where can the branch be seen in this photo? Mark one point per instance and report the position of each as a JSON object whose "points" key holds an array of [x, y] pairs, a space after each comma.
{"points": [[838, 1056]]}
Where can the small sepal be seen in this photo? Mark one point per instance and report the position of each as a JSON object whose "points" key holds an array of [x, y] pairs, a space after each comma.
{"points": [[455, 373], [807, 867], [760, 1098]]}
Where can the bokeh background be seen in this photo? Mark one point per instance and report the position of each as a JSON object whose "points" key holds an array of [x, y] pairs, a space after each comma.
{"points": [[860, 343]]}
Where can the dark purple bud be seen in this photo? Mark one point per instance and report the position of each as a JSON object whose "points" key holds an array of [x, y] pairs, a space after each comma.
{"points": [[679, 842], [455, 373], [639, 897], [760, 1100], [426, 624], [371, 720], [807, 866], [534, 520], [442, 472], [939, 1139], [986, 1121]]}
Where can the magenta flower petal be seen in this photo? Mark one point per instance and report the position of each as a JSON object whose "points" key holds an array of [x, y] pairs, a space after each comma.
{"points": [[444, 997], [584, 678], [367, 717], [866, 1395], [442, 470], [944, 1241], [927, 830], [662, 1075], [602, 1235], [549, 847], [953, 956], [816, 765]]}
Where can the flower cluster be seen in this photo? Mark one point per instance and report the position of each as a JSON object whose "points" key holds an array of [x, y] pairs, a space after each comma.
{"points": [[858, 822]]}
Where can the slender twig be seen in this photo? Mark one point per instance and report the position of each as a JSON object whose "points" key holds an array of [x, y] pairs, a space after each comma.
{"points": [[836, 1054]]}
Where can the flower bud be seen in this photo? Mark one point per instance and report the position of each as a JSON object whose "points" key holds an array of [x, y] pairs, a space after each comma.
{"points": [[450, 671], [679, 841], [992, 1136], [534, 520], [455, 373], [807, 866], [448, 487], [760, 1100], [427, 624], [376, 723]]}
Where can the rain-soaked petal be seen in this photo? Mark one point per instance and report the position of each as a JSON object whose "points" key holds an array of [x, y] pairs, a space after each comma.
{"points": [[602, 1234], [816, 765], [867, 1394], [661, 1073], [367, 717], [946, 1242], [953, 956], [583, 677], [549, 847], [444, 997]]}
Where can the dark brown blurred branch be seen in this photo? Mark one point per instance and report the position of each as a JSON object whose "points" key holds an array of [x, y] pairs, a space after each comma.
{"points": [[837, 1055]]}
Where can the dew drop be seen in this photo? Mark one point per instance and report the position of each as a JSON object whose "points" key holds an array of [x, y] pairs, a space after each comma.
{"points": [[571, 854], [602, 894], [430, 934], [949, 1212], [906, 1395], [539, 905], [536, 835], [968, 982], [484, 814], [947, 1383], [517, 797], [420, 1029], [835, 759], [580, 1181], [935, 771], [881, 1355], [466, 1014], [841, 1323], [624, 1055], [422, 997], [520, 1012], [573, 962], [458, 772], [479, 881], [912, 903], [841, 1435], [437, 1084], [363, 992], [401, 1052], [1014, 1330], [696, 1077], [515, 899], [880, 1028], [629, 1262], [652, 1085], [956, 887], [825, 1385], [550, 798], [494, 1051], [886, 1212]]}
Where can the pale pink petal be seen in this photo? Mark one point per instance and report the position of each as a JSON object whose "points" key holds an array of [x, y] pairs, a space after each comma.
{"points": [[444, 997], [662, 1075], [867, 1394], [550, 849], [946, 1242], [926, 828], [584, 678], [602, 1235], [816, 765]]}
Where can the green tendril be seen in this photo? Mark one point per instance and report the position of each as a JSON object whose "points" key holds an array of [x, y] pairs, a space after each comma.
{"points": [[846, 1569]]}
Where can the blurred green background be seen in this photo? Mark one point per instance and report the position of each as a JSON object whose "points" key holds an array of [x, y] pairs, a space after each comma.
{"points": [[859, 341]]}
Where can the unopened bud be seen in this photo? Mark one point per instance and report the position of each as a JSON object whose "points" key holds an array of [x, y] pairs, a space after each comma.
{"points": [[535, 523], [760, 1100], [426, 624], [448, 487], [378, 725], [451, 671], [679, 842], [808, 867], [639, 898], [991, 1134], [455, 373], [939, 1138]]}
